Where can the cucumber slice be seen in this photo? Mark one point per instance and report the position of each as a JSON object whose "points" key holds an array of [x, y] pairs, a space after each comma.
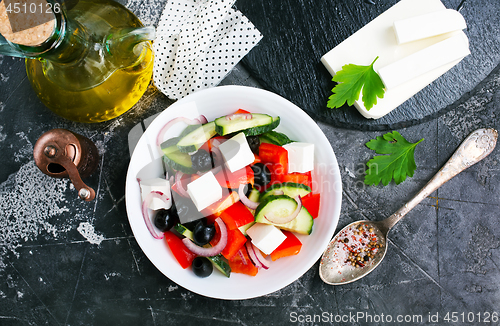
{"points": [[254, 195], [218, 261], [245, 227], [290, 189], [169, 143], [275, 123], [284, 205], [196, 138], [188, 129], [265, 139], [176, 160], [276, 138], [184, 231], [259, 124]]}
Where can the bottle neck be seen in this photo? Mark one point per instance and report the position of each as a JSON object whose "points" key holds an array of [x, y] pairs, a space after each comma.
{"points": [[67, 43]]}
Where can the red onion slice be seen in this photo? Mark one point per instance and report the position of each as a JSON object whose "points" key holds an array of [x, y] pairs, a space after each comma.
{"points": [[244, 199], [163, 130], [202, 119], [218, 160], [256, 257], [210, 251], [285, 219], [242, 257], [245, 116], [180, 186], [145, 205]]}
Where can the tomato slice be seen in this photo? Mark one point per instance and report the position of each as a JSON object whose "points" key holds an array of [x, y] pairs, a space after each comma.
{"points": [[275, 154], [311, 203], [241, 111], [236, 215], [235, 241], [237, 265], [291, 246], [233, 180], [181, 253], [219, 206], [303, 178]]}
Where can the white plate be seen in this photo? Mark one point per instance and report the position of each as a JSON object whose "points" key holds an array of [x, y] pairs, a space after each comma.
{"points": [[213, 103]]}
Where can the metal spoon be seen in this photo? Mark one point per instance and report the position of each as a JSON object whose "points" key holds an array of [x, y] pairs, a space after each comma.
{"points": [[333, 270]]}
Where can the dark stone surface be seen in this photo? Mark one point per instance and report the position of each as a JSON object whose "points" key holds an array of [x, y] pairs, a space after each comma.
{"points": [[299, 32], [443, 256]]}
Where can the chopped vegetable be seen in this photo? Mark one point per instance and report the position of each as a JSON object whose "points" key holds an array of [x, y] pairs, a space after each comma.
{"points": [[311, 202], [168, 125], [270, 153], [243, 266], [244, 199], [291, 246], [282, 219], [399, 164], [181, 253], [225, 231], [235, 241], [202, 267], [233, 180], [236, 215], [212, 251], [256, 256], [145, 214], [219, 206], [351, 80], [296, 177]]}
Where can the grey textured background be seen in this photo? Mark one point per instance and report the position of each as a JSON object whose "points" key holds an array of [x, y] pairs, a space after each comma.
{"points": [[443, 257]]}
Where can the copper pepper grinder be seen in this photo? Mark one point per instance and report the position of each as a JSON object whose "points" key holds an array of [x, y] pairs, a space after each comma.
{"points": [[61, 153]]}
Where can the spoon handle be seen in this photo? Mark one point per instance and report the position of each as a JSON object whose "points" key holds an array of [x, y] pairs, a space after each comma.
{"points": [[473, 149]]}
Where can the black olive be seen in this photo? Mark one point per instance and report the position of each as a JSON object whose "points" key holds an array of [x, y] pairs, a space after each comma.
{"points": [[261, 175], [248, 189], [185, 208], [165, 219], [202, 160], [191, 225], [254, 143], [202, 233], [202, 267]]}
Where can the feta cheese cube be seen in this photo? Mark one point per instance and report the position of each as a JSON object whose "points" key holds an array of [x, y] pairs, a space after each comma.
{"points": [[266, 237], [300, 157], [157, 184], [204, 191], [237, 152]]}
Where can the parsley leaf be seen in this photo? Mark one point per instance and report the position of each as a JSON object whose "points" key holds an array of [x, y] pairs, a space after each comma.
{"points": [[398, 164], [351, 80]]}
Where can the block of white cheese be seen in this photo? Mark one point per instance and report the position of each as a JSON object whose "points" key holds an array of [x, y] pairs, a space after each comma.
{"points": [[377, 38], [157, 184], [266, 237], [300, 157], [428, 25], [204, 191], [237, 152], [433, 57]]}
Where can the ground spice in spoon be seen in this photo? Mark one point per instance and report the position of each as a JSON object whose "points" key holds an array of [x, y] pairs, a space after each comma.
{"points": [[355, 247]]}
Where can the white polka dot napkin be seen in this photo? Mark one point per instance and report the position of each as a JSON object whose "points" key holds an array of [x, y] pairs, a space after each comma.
{"points": [[198, 43]]}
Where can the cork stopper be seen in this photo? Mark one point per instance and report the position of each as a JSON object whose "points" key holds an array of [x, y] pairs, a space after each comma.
{"points": [[32, 25]]}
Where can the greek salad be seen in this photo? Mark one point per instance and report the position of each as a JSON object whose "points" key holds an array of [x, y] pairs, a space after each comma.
{"points": [[235, 194]]}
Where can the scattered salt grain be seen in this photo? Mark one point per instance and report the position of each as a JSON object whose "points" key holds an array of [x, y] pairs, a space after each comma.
{"points": [[88, 232], [21, 197]]}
